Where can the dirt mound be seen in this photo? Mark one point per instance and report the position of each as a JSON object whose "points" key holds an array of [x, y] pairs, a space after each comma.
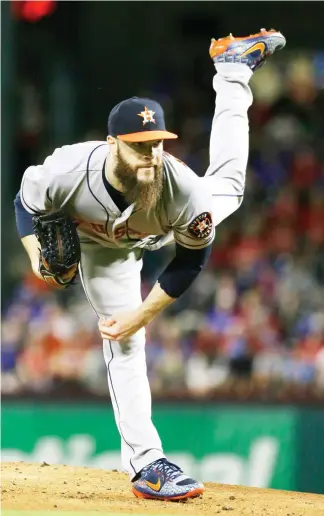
{"points": [[58, 488]]}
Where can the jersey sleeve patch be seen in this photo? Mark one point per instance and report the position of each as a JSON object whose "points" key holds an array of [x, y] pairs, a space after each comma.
{"points": [[201, 226]]}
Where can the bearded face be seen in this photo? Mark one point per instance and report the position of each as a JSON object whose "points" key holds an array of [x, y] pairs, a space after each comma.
{"points": [[139, 170]]}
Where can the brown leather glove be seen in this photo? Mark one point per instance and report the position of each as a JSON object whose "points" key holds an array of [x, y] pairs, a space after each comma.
{"points": [[60, 248]]}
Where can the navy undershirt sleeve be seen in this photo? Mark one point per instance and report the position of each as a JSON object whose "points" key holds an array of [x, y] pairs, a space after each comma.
{"points": [[24, 221], [183, 269]]}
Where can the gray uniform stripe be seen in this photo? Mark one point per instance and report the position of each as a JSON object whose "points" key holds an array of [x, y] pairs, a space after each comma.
{"points": [[93, 195], [109, 373], [115, 397]]}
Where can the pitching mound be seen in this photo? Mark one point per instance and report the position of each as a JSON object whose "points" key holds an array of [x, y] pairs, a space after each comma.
{"points": [[69, 491]]}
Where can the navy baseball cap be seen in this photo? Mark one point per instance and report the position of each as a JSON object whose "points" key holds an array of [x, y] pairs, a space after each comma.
{"points": [[138, 120]]}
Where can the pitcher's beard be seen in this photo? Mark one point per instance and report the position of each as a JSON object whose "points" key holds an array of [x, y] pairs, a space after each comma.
{"points": [[144, 194]]}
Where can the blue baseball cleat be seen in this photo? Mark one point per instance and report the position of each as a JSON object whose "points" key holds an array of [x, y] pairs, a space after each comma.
{"points": [[162, 480], [251, 50]]}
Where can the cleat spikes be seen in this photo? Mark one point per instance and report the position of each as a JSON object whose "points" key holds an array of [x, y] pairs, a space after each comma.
{"points": [[250, 50]]}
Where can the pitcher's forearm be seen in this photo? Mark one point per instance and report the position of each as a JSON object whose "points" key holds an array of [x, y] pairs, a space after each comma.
{"points": [[174, 280], [156, 301]]}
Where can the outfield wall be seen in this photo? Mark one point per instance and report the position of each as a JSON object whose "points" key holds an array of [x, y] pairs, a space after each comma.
{"points": [[281, 448]]}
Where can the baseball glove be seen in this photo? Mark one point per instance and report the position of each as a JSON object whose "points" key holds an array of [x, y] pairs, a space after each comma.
{"points": [[60, 248]]}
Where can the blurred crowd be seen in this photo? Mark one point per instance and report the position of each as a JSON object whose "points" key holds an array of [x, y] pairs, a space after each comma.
{"points": [[255, 316]]}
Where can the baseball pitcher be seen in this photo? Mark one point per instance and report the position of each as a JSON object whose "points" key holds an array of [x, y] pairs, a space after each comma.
{"points": [[96, 206]]}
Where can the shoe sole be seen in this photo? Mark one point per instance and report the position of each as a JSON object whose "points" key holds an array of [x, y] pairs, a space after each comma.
{"points": [[221, 45], [192, 494]]}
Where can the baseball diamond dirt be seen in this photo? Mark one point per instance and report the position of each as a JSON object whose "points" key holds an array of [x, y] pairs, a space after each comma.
{"points": [[42, 489]]}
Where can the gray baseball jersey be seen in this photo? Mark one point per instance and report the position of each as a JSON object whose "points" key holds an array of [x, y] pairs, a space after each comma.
{"points": [[71, 179]]}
